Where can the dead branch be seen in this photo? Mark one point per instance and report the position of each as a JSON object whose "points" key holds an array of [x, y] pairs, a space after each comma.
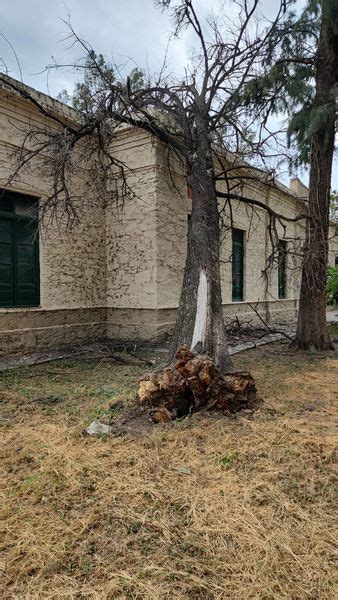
{"points": [[270, 329]]}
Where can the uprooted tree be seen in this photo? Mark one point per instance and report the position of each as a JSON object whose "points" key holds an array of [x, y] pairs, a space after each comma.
{"points": [[301, 79], [197, 119]]}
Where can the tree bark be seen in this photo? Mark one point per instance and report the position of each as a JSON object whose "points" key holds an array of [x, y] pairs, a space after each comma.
{"points": [[312, 332], [200, 324]]}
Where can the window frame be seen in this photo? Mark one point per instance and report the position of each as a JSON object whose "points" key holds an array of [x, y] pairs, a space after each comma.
{"points": [[282, 274], [234, 296], [12, 216]]}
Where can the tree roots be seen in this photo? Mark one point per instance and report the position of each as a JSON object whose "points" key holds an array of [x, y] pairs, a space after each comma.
{"points": [[191, 384]]}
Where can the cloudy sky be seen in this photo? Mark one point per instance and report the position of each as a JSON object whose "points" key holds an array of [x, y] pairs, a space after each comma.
{"points": [[130, 32]]}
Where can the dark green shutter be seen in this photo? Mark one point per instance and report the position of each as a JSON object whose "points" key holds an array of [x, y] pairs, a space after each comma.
{"points": [[282, 249], [6, 263], [19, 263], [237, 265], [26, 264]]}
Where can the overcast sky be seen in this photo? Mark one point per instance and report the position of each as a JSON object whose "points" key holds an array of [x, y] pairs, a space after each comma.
{"points": [[127, 31]]}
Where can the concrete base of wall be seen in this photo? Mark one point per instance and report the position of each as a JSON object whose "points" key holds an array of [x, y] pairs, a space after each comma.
{"points": [[132, 324], [151, 324], [272, 311], [30, 329]]}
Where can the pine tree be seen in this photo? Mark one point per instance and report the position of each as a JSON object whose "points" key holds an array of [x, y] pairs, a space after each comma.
{"points": [[90, 94], [301, 79]]}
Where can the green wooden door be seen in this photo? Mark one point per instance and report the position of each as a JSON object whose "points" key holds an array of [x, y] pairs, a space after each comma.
{"points": [[19, 263], [282, 250], [26, 264], [6, 263], [237, 265]]}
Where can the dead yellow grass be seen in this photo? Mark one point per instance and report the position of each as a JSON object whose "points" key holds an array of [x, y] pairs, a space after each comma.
{"points": [[206, 508]]}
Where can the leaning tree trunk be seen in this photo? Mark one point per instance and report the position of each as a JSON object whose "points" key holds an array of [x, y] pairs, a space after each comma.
{"points": [[200, 325], [312, 332]]}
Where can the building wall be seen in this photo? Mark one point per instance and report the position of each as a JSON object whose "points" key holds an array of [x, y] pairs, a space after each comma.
{"points": [[131, 243], [118, 271], [72, 259], [333, 245], [173, 207], [98, 278]]}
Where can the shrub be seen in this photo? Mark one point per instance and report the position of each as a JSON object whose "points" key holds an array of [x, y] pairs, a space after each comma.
{"points": [[332, 286]]}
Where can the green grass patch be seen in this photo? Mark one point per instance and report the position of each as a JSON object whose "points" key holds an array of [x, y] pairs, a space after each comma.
{"points": [[333, 330]]}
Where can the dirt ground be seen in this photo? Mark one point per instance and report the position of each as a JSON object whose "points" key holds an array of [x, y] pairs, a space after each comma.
{"points": [[208, 507]]}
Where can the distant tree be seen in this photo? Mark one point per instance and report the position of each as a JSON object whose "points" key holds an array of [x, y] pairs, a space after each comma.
{"points": [[334, 206], [89, 95], [332, 285]]}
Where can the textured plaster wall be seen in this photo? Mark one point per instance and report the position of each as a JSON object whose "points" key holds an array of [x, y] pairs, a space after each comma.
{"points": [[72, 260], [173, 206], [131, 243], [73, 263]]}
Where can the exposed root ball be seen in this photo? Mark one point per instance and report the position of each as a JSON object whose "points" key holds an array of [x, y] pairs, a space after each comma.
{"points": [[194, 383]]}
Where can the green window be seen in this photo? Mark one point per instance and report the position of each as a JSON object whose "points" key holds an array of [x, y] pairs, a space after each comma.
{"points": [[237, 265], [282, 250], [19, 251]]}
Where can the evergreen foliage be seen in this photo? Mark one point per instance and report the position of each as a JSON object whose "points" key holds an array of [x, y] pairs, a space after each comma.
{"points": [[90, 95], [287, 86]]}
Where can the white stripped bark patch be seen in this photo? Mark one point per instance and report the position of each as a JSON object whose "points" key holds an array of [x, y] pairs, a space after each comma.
{"points": [[200, 328]]}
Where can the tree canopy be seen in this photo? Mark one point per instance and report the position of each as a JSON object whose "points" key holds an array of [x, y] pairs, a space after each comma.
{"points": [[287, 85]]}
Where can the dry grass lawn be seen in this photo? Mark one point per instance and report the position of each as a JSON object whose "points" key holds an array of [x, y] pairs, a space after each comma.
{"points": [[209, 507]]}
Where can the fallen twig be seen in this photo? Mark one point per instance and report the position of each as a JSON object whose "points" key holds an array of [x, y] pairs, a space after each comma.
{"points": [[270, 329]]}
